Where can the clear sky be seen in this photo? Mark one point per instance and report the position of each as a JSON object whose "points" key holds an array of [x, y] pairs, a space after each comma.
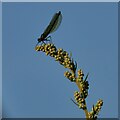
{"points": [[34, 84]]}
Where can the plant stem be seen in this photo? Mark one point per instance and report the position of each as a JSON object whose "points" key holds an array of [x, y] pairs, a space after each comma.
{"points": [[86, 111]]}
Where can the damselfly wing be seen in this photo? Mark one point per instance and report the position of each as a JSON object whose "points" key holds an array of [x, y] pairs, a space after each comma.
{"points": [[52, 27]]}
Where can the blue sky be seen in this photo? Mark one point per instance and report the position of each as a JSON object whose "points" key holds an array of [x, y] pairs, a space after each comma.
{"points": [[34, 84]]}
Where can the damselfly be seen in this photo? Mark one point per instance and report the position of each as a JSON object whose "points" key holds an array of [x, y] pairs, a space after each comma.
{"points": [[52, 27]]}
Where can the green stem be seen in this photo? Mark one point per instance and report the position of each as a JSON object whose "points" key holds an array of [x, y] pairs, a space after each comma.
{"points": [[86, 111]]}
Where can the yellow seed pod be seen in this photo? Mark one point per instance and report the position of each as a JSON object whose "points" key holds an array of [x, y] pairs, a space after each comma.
{"points": [[61, 53], [67, 65], [52, 54], [58, 52], [100, 102], [56, 59], [60, 49], [52, 49], [71, 66], [49, 44], [89, 115], [52, 44], [76, 93], [82, 100], [82, 89], [66, 54], [60, 57], [99, 107], [77, 96], [65, 60], [80, 72], [80, 79], [70, 77], [69, 73], [47, 52], [55, 56], [44, 45], [49, 48], [37, 48], [65, 73], [80, 106], [42, 49], [63, 63], [73, 75], [65, 57], [69, 61]]}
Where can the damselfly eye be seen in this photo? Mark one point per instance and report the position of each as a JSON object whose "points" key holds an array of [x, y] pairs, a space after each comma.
{"points": [[39, 40]]}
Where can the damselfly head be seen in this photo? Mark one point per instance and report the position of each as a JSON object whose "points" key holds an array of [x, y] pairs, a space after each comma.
{"points": [[41, 38]]}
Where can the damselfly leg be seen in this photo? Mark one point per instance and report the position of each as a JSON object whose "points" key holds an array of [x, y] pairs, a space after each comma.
{"points": [[49, 38]]}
